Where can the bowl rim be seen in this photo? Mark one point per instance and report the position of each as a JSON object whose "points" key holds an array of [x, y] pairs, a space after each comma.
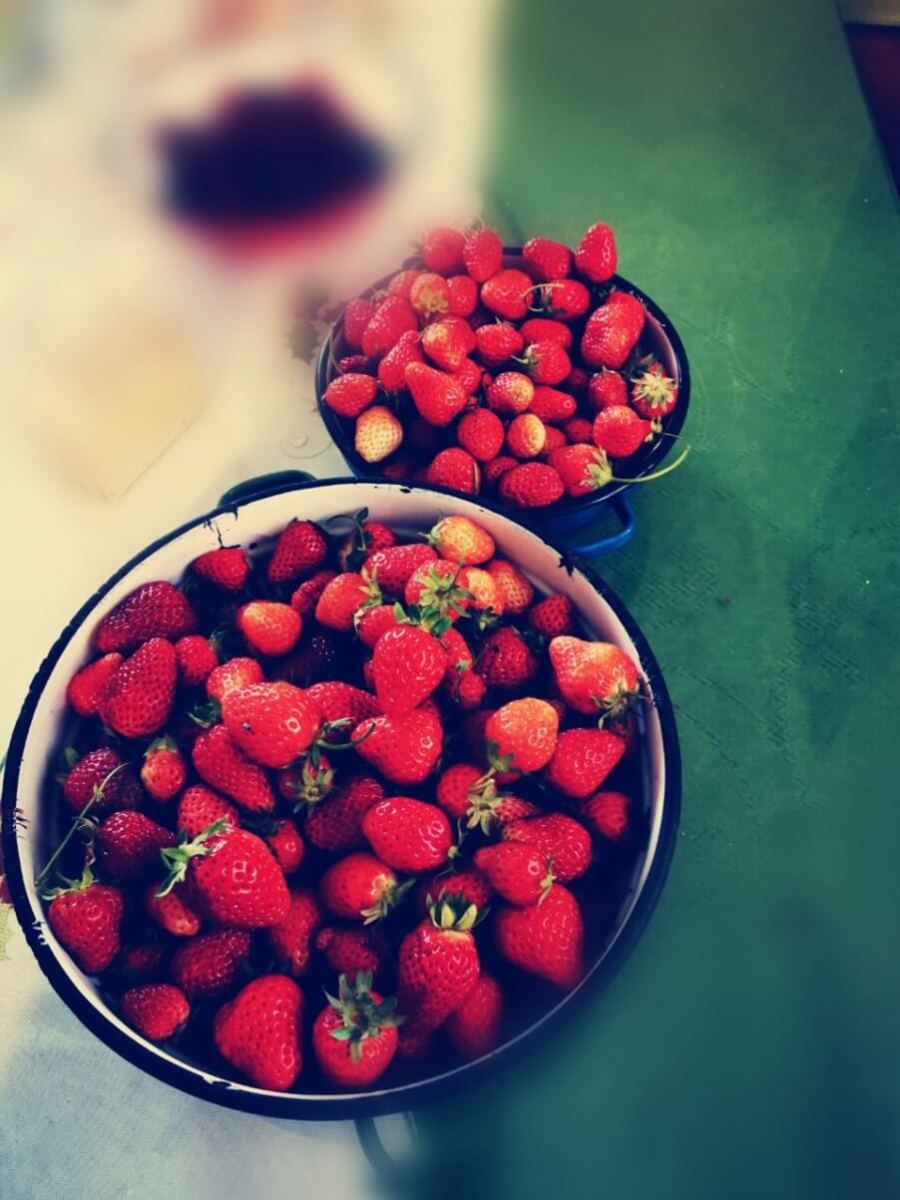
{"points": [[244, 1097]]}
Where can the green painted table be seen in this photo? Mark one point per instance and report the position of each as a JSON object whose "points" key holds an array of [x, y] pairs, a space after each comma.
{"points": [[751, 1047]]}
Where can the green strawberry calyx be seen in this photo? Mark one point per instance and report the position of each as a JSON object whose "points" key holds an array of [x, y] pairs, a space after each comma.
{"points": [[388, 899], [452, 913], [177, 859], [362, 1016], [161, 743]]}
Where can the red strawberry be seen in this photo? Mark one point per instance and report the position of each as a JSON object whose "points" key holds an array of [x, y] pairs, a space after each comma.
{"points": [[594, 677], [497, 342], [429, 294], [612, 331], [357, 315], [552, 617], [259, 1031], [341, 702], [480, 432], [354, 1037], [474, 1029], [291, 939], [85, 918], [234, 880], [565, 299], [577, 383], [342, 598], [208, 965], [507, 294], [463, 295], [547, 363], [401, 284], [459, 888], [442, 250], [487, 596], [552, 405], [235, 673], [582, 468], [437, 967], [171, 912], [336, 822], [620, 432], [87, 685], [516, 591], [273, 723], [545, 939], [468, 376], [391, 319], [532, 485], [391, 568], [359, 887], [102, 772], [301, 549], [607, 389], [435, 588], [497, 467], [561, 839], [456, 788], [392, 368], [437, 397], [547, 259], [459, 656], [142, 962], [483, 254], [367, 537], [653, 393], [163, 772], [408, 664], [447, 342], [466, 688], [408, 834], [523, 733], [271, 628], [154, 610], [306, 595], [219, 761], [356, 364], [579, 430], [349, 951], [455, 468], [505, 660], [156, 1010], [525, 435], [198, 808], [517, 872], [543, 330], [607, 813], [461, 540], [404, 749], [227, 567], [511, 392], [308, 781], [196, 658], [554, 439], [377, 435], [582, 761], [595, 256], [137, 699], [350, 394]]}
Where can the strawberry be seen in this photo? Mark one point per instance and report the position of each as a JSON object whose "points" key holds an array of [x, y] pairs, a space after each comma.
{"points": [[163, 772], [349, 951], [442, 250], [343, 597], [409, 835], [554, 439], [271, 628], [456, 788], [171, 912], [497, 467], [437, 397], [517, 872], [515, 590], [401, 283], [259, 1031], [607, 813], [552, 617], [579, 430], [408, 664], [142, 962], [462, 294], [461, 540], [377, 435], [355, 364], [196, 658], [220, 762], [308, 781], [235, 673], [510, 392], [86, 686], [437, 966], [487, 596], [392, 368], [447, 342], [525, 435], [544, 939], [435, 591], [392, 317], [543, 331], [392, 567], [532, 485], [460, 888], [208, 965], [595, 256], [429, 294], [466, 688], [354, 1037], [582, 761], [154, 610], [301, 549], [137, 699], [653, 393], [273, 723], [607, 389], [523, 734], [560, 839], [367, 537], [620, 432], [468, 376], [506, 294], [351, 394], [582, 468], [102, 774], [505, 660], [565, 299], [454, 468], [198, 808], [483, 254], [577, 382], [234, 880], [338, 702], [480, 432], [357, 315], [291, 939], [306, 595], [336, 822], [547, 259], [612, 331], [227, 568], [474, 1029], [156, 1010], [359, 887], [497, 342], [85, 917], [404, 749], [552, 405], [547, 363], [594, 676]]}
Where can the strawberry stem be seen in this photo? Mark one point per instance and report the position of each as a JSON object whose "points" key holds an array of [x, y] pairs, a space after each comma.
{"points": [[96, 794], [176, 859], [657, 474]]}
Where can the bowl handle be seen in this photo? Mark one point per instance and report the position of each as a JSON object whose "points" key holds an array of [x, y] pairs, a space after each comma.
{"points": [[621, 506], [264, 485], [395, 1174]]}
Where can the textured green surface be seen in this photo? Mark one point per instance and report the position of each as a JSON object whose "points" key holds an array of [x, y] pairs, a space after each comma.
{"points": [[752, 1045]]}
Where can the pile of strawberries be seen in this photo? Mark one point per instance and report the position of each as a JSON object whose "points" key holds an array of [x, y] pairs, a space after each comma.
{"points": [[388, 768], [525, 381]]}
